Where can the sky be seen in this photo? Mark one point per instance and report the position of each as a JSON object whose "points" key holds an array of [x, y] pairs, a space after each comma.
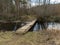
{"points": [[52, 1], [56, 1], [33, 2]]}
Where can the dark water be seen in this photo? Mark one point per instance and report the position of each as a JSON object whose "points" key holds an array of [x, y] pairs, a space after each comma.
{"points": [[18, 26], [11, 26]]}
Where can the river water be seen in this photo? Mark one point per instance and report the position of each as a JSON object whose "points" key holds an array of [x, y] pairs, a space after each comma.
{"points": [[51, 26]]}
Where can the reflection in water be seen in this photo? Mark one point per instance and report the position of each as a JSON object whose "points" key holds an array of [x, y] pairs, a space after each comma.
{"points": [[37, 27], [50, 26], [55, 26], [15, 28]]}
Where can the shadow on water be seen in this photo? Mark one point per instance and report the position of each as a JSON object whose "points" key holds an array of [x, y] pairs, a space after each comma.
{"points": [[11, 26], [36, 27]]}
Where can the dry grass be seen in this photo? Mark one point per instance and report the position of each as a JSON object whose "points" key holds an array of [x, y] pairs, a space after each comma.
{"points": [[5, 36], [31, 38], [27, 18]]}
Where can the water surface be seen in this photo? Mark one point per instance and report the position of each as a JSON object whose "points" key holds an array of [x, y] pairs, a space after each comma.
{"points": [[50, 26]]}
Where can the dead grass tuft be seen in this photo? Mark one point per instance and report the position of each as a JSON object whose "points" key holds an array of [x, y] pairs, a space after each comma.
{"points": [[45, 37]]}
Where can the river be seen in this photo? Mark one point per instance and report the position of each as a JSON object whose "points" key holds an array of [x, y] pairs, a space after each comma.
{"points": [[50, 26]]}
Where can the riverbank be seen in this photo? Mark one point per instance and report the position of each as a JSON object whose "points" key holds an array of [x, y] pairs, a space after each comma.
{"points": [[30, 38]]}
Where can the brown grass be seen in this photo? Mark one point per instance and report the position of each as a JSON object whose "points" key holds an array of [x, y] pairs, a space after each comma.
{"points": [[31, 38]]}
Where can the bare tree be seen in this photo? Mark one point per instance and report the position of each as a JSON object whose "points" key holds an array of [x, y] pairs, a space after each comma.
{"points": [[39, 2], [44, 2]]}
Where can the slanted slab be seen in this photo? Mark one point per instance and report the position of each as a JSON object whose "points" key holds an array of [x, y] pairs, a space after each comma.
{"points": [[25, 28]]}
